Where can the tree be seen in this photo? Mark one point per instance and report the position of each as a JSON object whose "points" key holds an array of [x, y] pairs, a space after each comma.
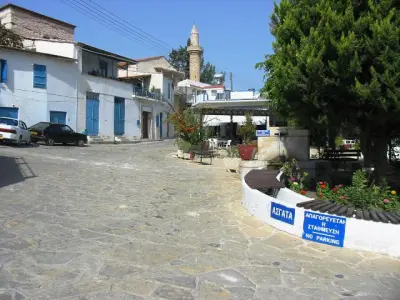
{"points": [[179, 59], [9, 38], [207, 73], [336, 62]]}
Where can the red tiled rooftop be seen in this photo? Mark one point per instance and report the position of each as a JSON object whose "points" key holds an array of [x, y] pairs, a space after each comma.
{"points": [[220, 86]]}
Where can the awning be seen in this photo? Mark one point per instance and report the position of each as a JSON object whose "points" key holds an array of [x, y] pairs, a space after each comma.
{"points": [[213, 120], [216, 120], [256, 120]]}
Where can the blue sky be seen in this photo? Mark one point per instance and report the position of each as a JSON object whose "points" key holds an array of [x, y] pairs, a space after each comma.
{"points": [[234, 33]]}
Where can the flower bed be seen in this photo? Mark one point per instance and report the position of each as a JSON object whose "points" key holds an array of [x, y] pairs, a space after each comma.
{"points": [[360, 195], [296, 214]]}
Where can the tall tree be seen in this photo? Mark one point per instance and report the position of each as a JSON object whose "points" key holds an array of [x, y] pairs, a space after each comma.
{"points": [[337, 62], [207, 73], [179, 59], [9, 38]]}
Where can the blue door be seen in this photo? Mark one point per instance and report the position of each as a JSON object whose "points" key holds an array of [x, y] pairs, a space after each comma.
{"points": [[119, 116], [9, 112], [59, 117], [92, 114], [161, 125]]}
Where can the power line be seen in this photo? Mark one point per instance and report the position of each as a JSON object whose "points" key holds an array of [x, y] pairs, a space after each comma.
{"points": [[110, 24], [133, 26], [147, 37]]}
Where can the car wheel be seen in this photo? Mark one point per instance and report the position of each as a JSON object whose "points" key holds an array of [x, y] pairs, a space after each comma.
{"points": [[34, 141], [80, 143], [50, 142], [19, 142]]}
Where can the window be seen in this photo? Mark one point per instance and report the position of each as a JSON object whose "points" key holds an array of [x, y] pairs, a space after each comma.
{"points": [[3, 70], [214, 93], [8, 121], [56, 128], [22, 125], [39, 76], [66, 128], [103, 68], [169, 90]]}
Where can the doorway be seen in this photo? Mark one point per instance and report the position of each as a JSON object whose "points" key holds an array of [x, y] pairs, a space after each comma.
{"points": [[145, 124], [119, 116]]}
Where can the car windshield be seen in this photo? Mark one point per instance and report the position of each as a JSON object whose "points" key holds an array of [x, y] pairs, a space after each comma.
{"points": [[40, 126], [7, 121]]}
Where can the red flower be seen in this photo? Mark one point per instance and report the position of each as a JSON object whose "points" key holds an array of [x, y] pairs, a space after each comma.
{"points": [[342, 197], [321, 183], [323, 186], [320, 194], [303, 192], [335, 189]]}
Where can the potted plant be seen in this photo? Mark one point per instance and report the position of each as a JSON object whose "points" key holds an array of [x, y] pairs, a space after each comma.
{"points": [[248, 133], [189, 132], [232, 161]]}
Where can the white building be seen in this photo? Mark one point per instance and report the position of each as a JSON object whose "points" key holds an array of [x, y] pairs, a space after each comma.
{"points": [[38, 87], [80, 84], [154, 81]]}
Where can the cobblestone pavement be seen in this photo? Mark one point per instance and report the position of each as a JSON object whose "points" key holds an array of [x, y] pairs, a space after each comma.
{"points": [[131, 222]]}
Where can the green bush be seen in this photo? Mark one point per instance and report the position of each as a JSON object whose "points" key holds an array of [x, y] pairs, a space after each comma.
{"points": [[361, 194]]}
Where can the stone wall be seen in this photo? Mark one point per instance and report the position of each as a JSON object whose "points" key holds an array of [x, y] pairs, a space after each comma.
{"points": [[291, 143], [35, 26]]}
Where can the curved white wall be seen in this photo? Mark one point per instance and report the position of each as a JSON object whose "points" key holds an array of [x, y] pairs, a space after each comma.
{"points": [[359, 234]]}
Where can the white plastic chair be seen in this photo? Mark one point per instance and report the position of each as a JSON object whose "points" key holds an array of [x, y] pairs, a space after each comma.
{"points": [[228, 144]]}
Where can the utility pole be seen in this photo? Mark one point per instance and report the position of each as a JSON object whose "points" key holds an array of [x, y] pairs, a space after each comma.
{"points": [[230, 77]]}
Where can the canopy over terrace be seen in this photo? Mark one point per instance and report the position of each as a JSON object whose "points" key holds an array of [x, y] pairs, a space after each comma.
{"points": [[233, 111]]}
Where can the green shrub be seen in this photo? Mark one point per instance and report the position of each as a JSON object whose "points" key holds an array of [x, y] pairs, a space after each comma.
{"points": [[361, 194]]}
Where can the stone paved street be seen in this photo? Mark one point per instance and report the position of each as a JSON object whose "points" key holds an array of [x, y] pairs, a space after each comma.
{"points": [[126, 222]]}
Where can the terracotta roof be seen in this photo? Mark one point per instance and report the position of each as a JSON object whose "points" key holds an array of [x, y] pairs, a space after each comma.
{"points": [[10, 5], [221, 86], [148, 58], [122, 64]]}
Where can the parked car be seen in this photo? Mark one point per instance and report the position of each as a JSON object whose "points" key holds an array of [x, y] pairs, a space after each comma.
{"points": [[14, 130], [52, 133]]}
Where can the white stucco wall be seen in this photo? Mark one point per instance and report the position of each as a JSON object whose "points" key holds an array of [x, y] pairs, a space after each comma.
{"points": [[359, 234], [35, 104], [156, 80], [108, 89], [65, 49]]}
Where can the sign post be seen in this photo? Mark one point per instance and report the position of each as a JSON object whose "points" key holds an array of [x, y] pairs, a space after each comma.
{"points": [[325, 229]]}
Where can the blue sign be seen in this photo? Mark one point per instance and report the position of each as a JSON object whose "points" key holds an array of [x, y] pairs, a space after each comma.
{"points": [[263, 132], [138, 122], [282, 213], [325, 229]]}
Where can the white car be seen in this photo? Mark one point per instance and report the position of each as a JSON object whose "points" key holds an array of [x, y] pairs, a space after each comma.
{"points": [[15, 131]]}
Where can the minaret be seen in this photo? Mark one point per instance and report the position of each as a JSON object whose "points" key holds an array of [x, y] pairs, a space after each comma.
{"points": [[195, 53]]}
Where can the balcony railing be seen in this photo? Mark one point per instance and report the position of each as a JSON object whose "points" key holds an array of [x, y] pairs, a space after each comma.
{"points": [[140, 92]]}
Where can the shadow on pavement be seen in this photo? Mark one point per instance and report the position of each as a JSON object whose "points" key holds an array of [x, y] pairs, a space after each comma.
{"points": [[14, 170]]}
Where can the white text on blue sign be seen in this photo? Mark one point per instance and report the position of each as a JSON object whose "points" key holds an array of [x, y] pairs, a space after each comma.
{"points": [[282, 213], [263, 132], [325, 229]]}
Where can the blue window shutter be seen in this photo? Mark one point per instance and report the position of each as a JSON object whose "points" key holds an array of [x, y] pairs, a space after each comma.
{"points": [[39, 76], [3, 70], [157, 120]]}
